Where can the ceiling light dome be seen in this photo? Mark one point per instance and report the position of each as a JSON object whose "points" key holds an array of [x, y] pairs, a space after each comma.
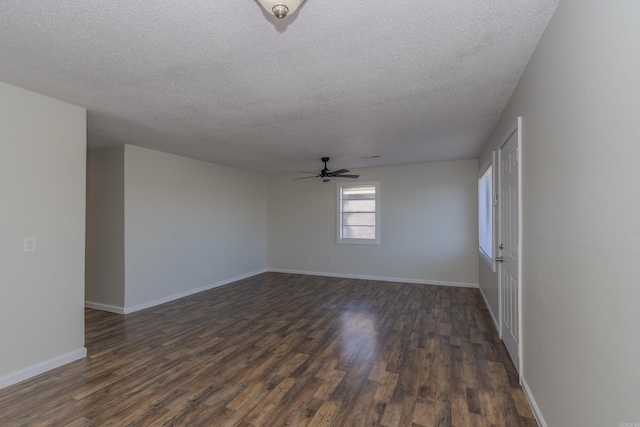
{"points": [[280, 8]]}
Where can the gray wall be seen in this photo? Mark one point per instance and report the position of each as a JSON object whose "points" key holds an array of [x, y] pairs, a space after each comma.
{"points": [[184, 216], [580, 99], [170, 226], [104, 282], [42, 195], [429, 230]]}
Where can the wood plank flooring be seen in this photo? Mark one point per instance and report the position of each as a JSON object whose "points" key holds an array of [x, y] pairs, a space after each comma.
{"points": [[285, 350]]}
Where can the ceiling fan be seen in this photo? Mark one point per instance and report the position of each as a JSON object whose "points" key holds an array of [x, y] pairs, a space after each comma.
{"points": [[326, 174]]}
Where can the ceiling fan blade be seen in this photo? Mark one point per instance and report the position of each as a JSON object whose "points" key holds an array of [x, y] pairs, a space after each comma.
{"points": [[339, 171], [326, 174]]}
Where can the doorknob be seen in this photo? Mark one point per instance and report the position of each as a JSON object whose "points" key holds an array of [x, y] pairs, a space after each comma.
{"points": [[499, 259]]}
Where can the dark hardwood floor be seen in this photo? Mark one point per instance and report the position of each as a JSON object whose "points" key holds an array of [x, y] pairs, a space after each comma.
{"points": [[285, 350]]}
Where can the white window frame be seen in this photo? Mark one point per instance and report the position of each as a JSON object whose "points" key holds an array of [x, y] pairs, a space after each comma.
{"points": [[340, 239], [490, 202]]}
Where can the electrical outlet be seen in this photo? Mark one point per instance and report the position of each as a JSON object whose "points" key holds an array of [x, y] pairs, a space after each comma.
{"points": [[309, 259], [208, 271], [330, 259], [29, 244]]}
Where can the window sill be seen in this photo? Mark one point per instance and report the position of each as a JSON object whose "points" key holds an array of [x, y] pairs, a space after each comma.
{"points": [[358, 242], [488, 260]]}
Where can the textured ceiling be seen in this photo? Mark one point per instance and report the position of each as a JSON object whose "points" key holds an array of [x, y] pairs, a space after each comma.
{"points": [[223, 81]]}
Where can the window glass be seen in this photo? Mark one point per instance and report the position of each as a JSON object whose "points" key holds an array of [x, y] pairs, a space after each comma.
{"points": [[485, 213], [358, 213]]}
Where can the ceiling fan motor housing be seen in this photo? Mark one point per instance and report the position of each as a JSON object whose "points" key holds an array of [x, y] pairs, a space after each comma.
{"points": [[324, 173]]}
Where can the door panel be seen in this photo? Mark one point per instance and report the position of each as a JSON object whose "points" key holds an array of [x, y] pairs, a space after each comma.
{"points": [[509, 247]]}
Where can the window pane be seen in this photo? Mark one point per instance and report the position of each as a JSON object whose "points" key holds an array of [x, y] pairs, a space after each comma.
{"points": [[359, 219], [361, 192], [357, 215], [359, 232], [485, 212], [358, 206]]}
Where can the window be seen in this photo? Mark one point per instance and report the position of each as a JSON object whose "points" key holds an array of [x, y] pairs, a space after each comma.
{"points": [[359, 213], [485, 213]]}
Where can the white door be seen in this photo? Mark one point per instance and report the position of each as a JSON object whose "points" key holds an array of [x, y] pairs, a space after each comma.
{"points": [[509, 246]]}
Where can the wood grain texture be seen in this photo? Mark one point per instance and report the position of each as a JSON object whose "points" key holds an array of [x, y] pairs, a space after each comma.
{"points": [[285, 350]]}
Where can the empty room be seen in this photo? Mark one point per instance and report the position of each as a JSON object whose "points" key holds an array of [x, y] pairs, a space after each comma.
{"points": [[319, 213]]}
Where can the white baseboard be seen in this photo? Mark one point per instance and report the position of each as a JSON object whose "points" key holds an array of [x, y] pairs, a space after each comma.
{"points": [[378, 278], [104, 307], [159, 301], [532, 403], [40, 368], [169, 298], [493, 317]]}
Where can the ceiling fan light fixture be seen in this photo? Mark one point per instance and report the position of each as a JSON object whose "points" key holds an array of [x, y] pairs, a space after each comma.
{"points": [[280, 8]]}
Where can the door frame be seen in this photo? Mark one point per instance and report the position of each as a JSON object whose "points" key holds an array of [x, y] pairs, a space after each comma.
{"points": [[516, 127]]}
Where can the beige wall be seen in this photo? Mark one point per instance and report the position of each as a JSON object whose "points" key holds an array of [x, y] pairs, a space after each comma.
{"points": [[183, 216], [105, 227], [580, 99], [42, 195], [429, 229]]}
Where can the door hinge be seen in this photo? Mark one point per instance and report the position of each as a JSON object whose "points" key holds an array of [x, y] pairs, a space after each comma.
{"points": [[495, 199]]}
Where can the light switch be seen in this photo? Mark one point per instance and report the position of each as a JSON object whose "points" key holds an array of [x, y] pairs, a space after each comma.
{"points": [[29, 244]]}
